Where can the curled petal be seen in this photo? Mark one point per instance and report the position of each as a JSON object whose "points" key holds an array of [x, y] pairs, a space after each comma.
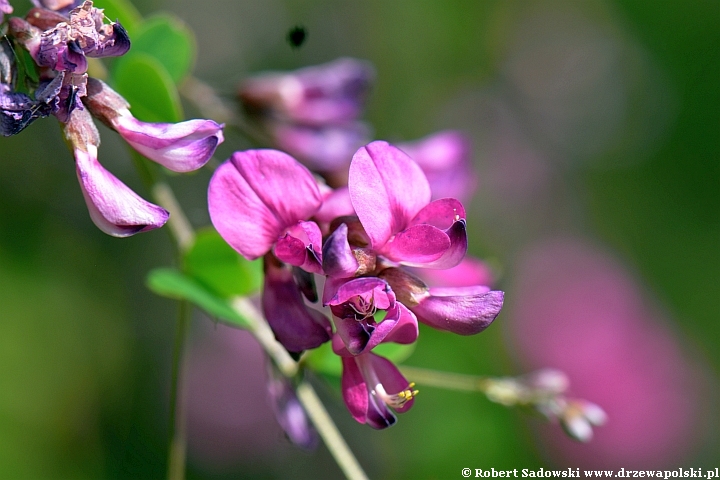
{"points": [[440, 213], [355, 304], [296, 326], [113, 41], [113, 207], [338, 258], [387, 190], [392, 380], [457, 235], [180, 147], [300, 246], [256, 195], [289, 412], [417, 245], [465, 311]]}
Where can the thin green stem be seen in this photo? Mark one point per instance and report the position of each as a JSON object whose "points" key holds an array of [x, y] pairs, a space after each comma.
{"points": [[177, 430], [319, 416], [328, 431], [447, 380]]}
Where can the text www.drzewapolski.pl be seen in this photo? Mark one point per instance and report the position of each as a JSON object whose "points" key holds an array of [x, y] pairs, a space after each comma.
{"points": [[577, 473]]}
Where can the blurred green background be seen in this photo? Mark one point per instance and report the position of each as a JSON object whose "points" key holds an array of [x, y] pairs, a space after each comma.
{"points": [[595, 120]]}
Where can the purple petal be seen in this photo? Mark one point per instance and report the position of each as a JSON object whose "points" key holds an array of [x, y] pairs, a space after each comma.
{"points": [[417, 246], [289, 412], [441, 213], [387, 190], [296, 326], [180, 147], [354, 390], [392, 380], [466, 311], [457, 235], [113, 42], [300, 246], [338, 258], [114, 208], [256, 195]]}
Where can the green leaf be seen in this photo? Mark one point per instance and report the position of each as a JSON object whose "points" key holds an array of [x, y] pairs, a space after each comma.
{"points": [[169, 41], [122, 11], [214, 263], [145, 83], [324, 360], [171, 283], [395, 352]]}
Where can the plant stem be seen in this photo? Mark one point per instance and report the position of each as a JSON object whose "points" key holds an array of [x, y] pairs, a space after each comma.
{"points": [[328, 431], [319, 416], [178, 425], [447, 380]]}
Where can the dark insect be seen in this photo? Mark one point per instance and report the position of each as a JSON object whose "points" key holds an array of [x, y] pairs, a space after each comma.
{"points": [[296, 36]]}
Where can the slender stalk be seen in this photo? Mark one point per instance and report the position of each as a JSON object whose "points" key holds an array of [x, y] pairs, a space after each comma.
{"points": [[324, 424], [328, 431], [178, 424], [451, 381]]}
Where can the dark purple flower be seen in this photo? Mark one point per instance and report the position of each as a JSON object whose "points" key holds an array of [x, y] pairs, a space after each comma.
{"points": [[391, 197], [180, 147], [370, 384], [445, 159], [325, 94], [17, 111], [354, 306], [296, 326], [113, 207], [261, 198], [289, 412]]}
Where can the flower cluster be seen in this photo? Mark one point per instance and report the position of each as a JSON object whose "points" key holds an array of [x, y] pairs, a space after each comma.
{"points": [[266, 204], [60, 37]]}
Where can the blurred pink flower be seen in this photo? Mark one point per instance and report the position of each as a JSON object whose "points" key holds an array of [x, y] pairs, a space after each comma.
{"points": [[580, 311]]}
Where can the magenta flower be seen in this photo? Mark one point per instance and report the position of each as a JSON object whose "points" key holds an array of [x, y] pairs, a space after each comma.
{"points": [[370, 384], [113, 207], [261, 198], [355, 304], [391, 197], [259, 201], [180, 147]]}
